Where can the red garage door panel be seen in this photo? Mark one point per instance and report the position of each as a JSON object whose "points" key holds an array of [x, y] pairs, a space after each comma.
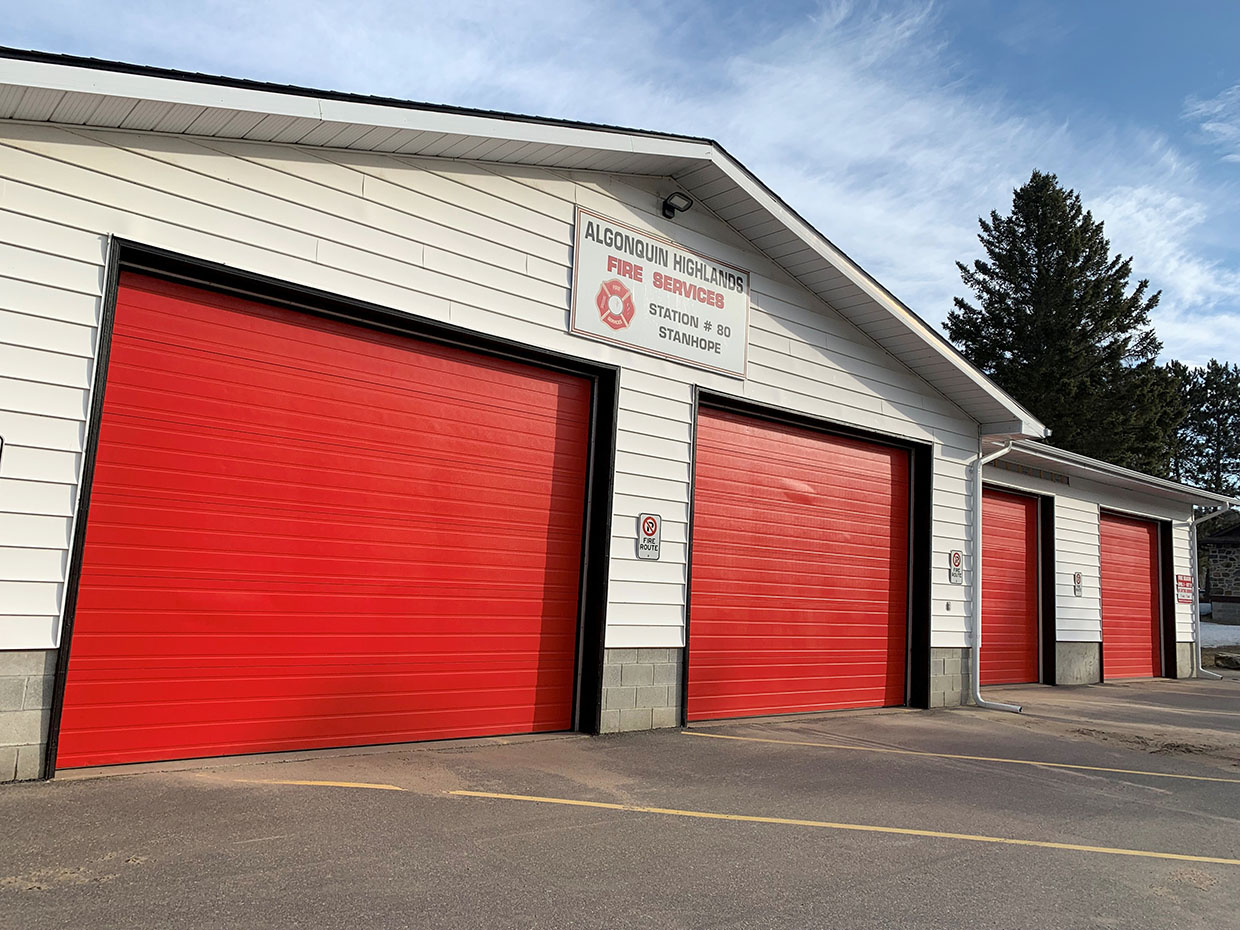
{"points": [[304, 533], [800, 571], [1131, 640], [1009, 588]]}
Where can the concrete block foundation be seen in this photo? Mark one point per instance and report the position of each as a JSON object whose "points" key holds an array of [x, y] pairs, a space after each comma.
{"points": [[949, 676], [25, 708], [641, 689]]}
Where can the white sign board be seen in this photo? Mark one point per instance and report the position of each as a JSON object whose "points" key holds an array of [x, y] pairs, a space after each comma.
{"points": [[1078, 585], [649, 536], [955, 567], [644, 292], [1184, 589]]}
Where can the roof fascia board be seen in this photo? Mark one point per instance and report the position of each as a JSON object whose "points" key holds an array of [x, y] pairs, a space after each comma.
{"points": [[79, 79], [370, 114]]}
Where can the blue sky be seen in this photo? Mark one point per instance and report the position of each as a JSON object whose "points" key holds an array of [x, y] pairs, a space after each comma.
{"points": [[892, 126]]}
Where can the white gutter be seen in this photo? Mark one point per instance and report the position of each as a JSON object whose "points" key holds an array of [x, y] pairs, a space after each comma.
{"points": [[975, 659], [1192, 555]]}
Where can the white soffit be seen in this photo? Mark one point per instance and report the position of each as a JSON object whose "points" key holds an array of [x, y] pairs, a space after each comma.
{"points": [[39, 87]]}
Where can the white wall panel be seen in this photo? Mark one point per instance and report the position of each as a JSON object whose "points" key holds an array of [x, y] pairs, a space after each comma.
{"points": [[21, 564], [47, 300], [33, 332], [46, 366], [30, 597], [34, 464], [39, 497], [40, 432], [34, 531], [21, 632]]}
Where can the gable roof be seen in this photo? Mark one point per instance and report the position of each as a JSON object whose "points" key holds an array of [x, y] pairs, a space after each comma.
{"points": [[43, 87]]}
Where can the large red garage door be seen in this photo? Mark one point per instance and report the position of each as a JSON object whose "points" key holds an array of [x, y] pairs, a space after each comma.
{"points": [[1009, 588], [305, 533], [800, 571], [1131, 637]]}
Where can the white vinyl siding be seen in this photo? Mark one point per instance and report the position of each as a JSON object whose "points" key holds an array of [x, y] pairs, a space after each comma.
{"points": [[486, 247], [1077, 549]]}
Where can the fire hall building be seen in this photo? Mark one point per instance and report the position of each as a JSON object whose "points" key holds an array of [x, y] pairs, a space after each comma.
{"points": [[332, 420]]}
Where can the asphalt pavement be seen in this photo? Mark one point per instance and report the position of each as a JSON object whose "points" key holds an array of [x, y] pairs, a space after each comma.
{"points": [[1105, 806]]}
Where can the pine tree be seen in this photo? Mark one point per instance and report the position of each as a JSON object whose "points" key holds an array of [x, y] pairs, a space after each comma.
{"points": [[1183, 445], [1056, 324], [1211, 431]]}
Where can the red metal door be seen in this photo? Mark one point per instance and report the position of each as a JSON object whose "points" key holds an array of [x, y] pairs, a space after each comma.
{"points": [[1131, 634], [1009, 588], [304, 533], [800, 571]]}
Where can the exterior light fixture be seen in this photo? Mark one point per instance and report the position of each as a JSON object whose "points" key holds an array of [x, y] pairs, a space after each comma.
{"points": [[676, 203]]}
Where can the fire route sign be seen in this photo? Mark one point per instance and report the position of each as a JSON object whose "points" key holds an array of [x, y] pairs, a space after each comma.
{"points": [[649, 536]]}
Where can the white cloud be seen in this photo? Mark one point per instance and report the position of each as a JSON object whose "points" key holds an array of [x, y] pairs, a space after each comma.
{"points": [[1218, 119], [854, 112], [1161, 226]]}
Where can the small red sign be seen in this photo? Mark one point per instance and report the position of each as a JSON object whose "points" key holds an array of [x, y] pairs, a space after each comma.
{"points": [[1184, 589], [615, 304], [650, 526]]}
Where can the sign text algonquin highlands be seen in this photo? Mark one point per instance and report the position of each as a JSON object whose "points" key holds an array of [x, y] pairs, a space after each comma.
{"points": [[649, 294]]}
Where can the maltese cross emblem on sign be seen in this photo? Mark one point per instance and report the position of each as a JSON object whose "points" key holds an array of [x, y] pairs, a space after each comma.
{"points": [[615, 304]]}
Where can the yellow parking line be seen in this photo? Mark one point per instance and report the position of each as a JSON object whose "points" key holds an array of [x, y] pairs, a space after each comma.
{"points": [[857, 827], [319, 784], [953, 755]]}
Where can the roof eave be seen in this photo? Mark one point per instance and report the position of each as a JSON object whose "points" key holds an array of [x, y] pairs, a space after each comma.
{"points": [[1087, 467]]}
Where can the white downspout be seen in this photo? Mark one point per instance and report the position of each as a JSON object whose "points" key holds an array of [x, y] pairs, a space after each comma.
{"points": [[975, 660], [1192, 556]]}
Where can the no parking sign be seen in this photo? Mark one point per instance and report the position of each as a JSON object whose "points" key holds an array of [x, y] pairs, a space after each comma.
{"points": [[955, 566], [649, 531]]}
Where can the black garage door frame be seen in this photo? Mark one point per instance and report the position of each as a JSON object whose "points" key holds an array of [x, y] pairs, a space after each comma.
{"points": [[1166, 592], [1048, 623], [128, 255], [921, 532]]}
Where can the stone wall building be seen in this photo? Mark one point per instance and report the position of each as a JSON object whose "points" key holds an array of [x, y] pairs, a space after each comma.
{"points": [[1222, 552]]}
